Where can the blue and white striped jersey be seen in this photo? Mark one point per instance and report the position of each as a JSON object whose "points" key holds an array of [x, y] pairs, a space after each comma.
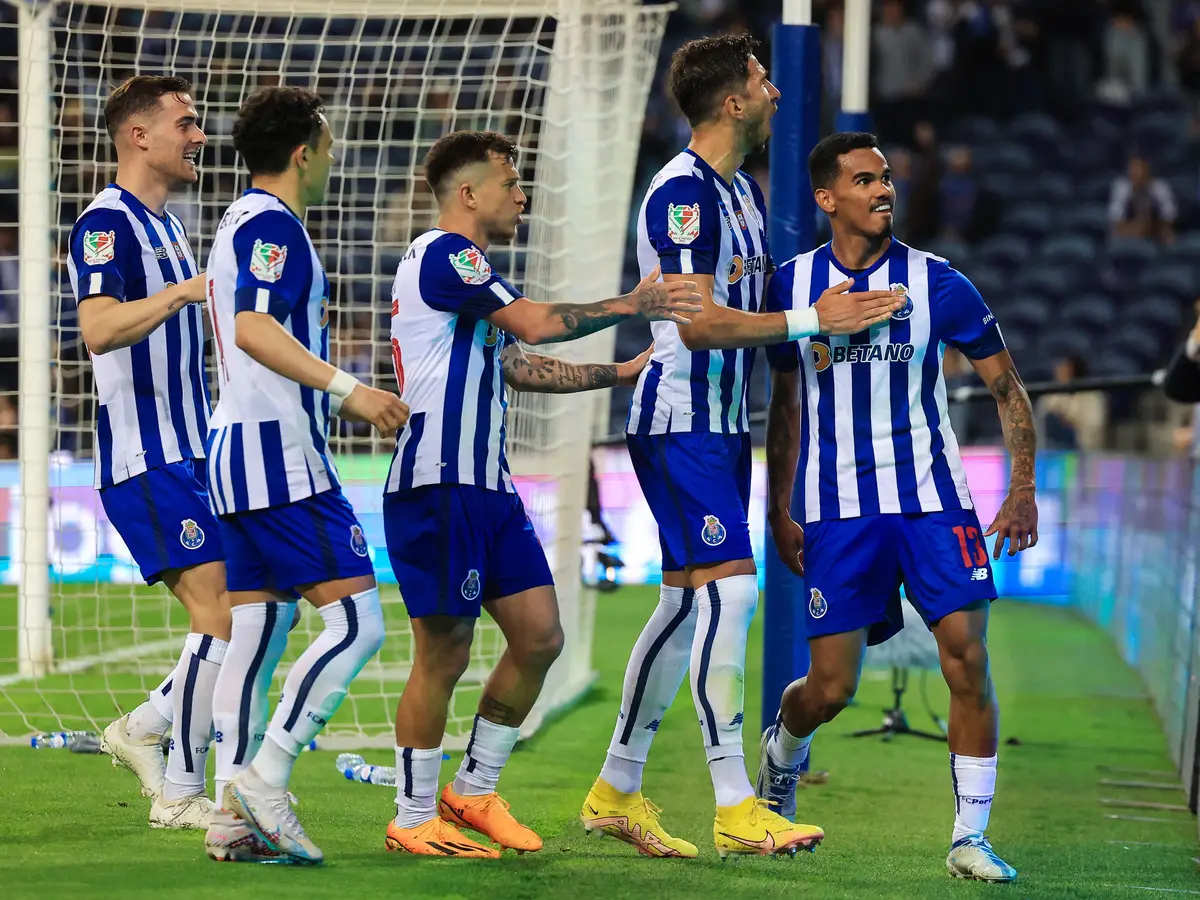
{"points": [[153, 395], [447, 360], [875, 434], [269, 443], [693, 222]]}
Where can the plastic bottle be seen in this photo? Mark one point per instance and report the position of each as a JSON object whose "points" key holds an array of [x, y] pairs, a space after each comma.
{"points": [[355, 768], [56, 740]]}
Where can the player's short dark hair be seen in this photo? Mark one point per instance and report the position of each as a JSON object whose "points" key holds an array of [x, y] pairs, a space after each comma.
{"points": [[455, 151], [824, 162], [271, 123], [139, 95], [705, 71]]}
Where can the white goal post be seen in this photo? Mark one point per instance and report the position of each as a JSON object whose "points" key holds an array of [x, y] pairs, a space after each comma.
{"points": [[80, 637]]}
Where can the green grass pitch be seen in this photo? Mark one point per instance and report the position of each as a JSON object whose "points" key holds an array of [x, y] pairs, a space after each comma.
{"points": [[73, 826]]}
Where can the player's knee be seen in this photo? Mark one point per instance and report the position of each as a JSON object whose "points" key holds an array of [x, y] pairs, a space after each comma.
{"points": [[538, 651], [831, 696], [965, 667], [444, 658], [371, 632]]}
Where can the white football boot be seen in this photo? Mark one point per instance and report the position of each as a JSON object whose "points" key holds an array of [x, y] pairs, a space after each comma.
{"points": [[973, 857], [143, 758], [187, 812], [230, 839], [269, 812]]}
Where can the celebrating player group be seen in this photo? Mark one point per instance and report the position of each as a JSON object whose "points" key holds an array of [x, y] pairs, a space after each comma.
{"points": [[238, 510]]}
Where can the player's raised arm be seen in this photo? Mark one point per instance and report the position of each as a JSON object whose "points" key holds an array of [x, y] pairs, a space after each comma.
{"points": [[547, 323], [548, 375]]}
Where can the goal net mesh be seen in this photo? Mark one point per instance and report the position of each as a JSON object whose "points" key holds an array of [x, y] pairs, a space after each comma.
{"points": [[569, 85]]}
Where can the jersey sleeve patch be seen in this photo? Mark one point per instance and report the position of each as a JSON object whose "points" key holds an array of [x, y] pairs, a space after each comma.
{"points": [[471, 266], [267, 260], [683, 222], [99, 247]]}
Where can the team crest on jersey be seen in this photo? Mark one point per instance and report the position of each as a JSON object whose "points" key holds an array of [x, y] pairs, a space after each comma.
{"points": [[683, 223], [98, 247], [907, 310], [471, 265], [266, 261], [358, 543], [192, 536], [471, 586], [713, 532], [817, 604]]}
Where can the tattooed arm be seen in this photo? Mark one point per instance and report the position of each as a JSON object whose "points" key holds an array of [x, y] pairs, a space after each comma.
{"points": [[546, 323], [547, 375], [1017, 518]]}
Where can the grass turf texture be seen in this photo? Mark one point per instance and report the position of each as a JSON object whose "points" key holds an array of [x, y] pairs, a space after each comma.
{"points": [[73, 825]]}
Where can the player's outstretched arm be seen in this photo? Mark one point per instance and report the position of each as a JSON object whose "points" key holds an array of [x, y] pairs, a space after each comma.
{"points": [[783, 454], [547, 375], [1018, 515], [108, 323], [547, 323], [264, 339], [718, 327]]}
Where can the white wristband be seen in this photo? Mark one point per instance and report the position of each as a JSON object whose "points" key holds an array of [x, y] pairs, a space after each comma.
{"points": [[341, 384], [802, 323]]}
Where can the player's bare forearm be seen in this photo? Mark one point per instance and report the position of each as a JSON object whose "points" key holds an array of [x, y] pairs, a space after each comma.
{"points": [[568, 321], [1016, 420], [108, 324], [722, 328], [267, 342], [547, 375], [783, 443]]}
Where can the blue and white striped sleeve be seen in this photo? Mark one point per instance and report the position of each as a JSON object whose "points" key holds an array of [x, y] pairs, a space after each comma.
{"points": [[683, 224], [103, 247], [274, 264], [456, 277]]}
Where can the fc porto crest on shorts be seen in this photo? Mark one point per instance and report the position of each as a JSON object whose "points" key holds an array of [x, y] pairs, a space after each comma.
{"points": [[192, 536], [471, 587], [713, 532], [358, 543], [817, 604]]}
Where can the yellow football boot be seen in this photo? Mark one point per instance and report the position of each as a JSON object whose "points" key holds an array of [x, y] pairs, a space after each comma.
{"points": [[633, 819], [751, 827]]}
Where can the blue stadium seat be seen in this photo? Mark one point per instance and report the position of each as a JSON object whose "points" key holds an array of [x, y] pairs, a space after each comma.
{"points": [[1157, 311], [1177, 280], [975, 130], [990, 282], [1050, 281], [956, 252], [1090, 154], [1094, 313], [1035, 130], [1030, 221], [1027, 311], [1087, 218], [1096, 188], [1128, 256], [1057, 343], [1069, 249], [1005, 251]]}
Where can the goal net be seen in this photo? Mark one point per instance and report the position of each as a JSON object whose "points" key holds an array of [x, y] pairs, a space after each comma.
{"points": [[81, 639]]}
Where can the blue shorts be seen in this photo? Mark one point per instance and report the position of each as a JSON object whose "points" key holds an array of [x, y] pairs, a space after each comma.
{"points": [[697, 485], [853, 569], [163, 517], [280, 548], [454, 546]]}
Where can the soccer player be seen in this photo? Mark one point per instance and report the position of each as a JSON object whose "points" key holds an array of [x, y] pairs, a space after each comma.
{"points": [[688, 435], [457, 533], [883, 493], [287, 529], [136, 283]]}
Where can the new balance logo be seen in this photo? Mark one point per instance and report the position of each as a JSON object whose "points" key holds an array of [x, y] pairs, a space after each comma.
{"points": [[217, 736], [979, 574]]}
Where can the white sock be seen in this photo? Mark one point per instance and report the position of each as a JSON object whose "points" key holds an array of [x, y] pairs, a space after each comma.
{"points": [[416, 785], [259, 637], [487, 752], [652, 678], [718, 669], [974, 780], [785, 749], [192, 699], [153, 717], [317, 683]]}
